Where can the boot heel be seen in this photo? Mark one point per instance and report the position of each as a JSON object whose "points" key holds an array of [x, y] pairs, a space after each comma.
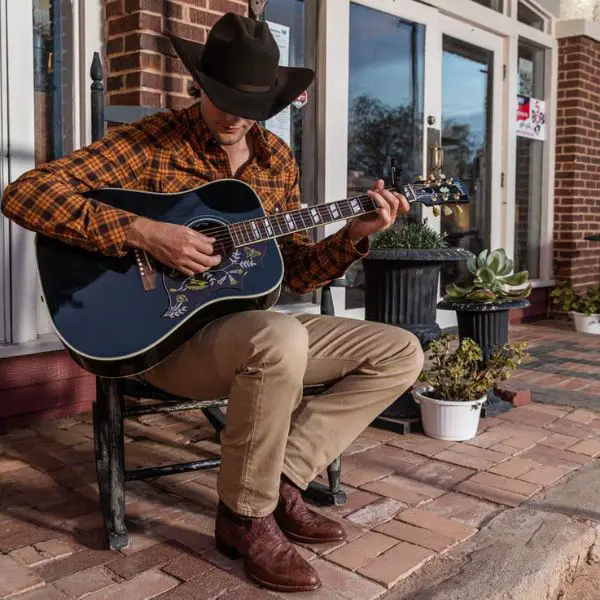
{"points": [[229, 551]]}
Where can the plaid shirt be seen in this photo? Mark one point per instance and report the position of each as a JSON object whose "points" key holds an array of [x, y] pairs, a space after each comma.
{"points": [[168, 152]]}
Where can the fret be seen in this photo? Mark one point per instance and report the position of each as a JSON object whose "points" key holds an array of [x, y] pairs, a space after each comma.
{"points": [[289, 221], [334, 210], [235, 238], [304, 217], [255, 230], [314, 215], [345, 209], [275, 221], [267, 226], [356, 206], [245, 233]]}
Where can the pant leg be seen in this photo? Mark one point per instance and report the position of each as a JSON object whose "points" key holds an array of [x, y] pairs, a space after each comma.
{"points": [[258, 359], [376, 364]]}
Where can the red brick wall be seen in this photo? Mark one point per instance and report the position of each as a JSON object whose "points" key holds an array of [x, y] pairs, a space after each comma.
{"points": [[140, 65], [37, 387], [577, 203]]}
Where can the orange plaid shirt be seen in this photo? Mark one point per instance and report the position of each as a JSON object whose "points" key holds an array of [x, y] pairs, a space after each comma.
{"points": [[168, 152]]}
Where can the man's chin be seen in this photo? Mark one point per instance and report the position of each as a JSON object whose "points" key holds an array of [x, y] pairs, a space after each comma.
{"points": [[228, 139]]}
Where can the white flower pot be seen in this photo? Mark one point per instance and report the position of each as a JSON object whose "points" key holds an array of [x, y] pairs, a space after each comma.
{"points": [[445, 420], [586, 324]]}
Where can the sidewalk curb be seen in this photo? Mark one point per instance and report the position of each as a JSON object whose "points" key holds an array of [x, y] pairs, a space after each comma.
{"points": [[522, 554]]}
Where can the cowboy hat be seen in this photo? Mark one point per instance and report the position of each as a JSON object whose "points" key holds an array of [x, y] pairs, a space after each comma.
{"points": [[238, 68]]}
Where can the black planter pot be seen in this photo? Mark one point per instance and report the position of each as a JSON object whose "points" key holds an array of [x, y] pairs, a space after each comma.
{"points": [[401, 289], [487, 324]]}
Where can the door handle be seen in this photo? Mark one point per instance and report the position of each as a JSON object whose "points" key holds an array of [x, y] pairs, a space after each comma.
{"points": [[436, 155]]}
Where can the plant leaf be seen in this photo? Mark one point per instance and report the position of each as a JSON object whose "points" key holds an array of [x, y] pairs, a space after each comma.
{"points": [[486, 275], [516, 278], [472, 264], [483, 295], [481, 259]]}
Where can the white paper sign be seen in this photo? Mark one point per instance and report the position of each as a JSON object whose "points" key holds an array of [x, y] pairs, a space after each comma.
{"points": [[281, 123], [531, 118]]}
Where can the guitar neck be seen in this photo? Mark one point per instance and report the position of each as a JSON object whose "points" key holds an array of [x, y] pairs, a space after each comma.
{"points": [[282, 224]]}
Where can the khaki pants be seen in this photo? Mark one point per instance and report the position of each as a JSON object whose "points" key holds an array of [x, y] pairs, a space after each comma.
{"points": [[261, 360]]}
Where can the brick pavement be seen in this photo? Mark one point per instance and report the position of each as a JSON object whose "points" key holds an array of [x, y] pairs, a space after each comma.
{"points": [[411, 499]]}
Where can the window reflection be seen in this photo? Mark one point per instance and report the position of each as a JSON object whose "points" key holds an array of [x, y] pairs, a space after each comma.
{"points": [[53, 68], [385, 107]]}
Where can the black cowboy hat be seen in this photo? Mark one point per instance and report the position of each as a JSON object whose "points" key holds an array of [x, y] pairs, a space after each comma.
{"points": [[238, 68]]}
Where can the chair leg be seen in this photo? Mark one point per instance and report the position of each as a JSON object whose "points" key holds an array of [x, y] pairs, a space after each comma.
{"points": [[110, 464], [331, 494], [216, 417]]}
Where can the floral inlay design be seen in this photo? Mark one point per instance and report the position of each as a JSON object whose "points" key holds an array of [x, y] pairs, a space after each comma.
{"points": [[229, 274]]}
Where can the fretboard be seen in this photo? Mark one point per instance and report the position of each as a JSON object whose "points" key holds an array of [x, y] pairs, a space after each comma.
{"points": [[280, 224]]}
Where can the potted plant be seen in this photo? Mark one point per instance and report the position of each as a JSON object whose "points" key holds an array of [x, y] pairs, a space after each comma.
{"points": [[401, 277], [482, 307], [457, 384], [583, 307]]}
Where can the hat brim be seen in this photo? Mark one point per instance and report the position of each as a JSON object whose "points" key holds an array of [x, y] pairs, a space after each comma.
{"points": [[290, 82]]}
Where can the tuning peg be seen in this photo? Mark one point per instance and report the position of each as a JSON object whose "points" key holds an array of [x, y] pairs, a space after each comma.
{"points": [[450, 181], [445, 197], [456, 196], [420, 178], [436, 211], [442, 176], [447, 210], [431, 177]]}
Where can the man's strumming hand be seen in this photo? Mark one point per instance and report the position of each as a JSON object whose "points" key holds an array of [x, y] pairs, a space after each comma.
{"points": [[176, 246]]}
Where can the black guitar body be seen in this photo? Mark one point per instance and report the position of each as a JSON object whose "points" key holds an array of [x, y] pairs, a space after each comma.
{"points": [[122, 316]]}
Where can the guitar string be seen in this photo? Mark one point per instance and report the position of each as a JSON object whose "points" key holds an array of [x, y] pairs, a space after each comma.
{"points": [[225, 232], [323, 211]]}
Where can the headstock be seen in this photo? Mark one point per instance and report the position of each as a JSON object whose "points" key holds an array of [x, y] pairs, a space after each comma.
{"points": [[439, 193]]}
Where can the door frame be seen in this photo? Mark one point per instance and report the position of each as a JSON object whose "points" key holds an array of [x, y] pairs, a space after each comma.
{"points": [[333, 73], [333, 70], [499, 236]]}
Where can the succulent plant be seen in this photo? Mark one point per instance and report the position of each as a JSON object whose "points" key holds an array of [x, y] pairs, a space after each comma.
{"points": [[493, 280]]}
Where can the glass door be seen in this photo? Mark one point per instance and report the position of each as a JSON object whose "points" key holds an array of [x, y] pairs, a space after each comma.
{"points": [[471, 138], [379, 73], [402, 79], [385, 107]]}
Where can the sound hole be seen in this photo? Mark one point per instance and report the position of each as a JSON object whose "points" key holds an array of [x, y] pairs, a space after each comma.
{"points": [[223, 246]]}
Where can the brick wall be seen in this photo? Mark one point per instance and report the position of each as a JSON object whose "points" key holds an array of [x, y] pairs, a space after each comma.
{"points": [[140, 65], [577, 203]]}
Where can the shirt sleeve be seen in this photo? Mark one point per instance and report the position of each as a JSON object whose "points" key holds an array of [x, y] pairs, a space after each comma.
{"points": [[49, 199], [309, 265]]}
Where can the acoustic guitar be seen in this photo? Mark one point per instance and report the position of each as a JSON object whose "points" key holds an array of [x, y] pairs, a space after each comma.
{"points": [[121, 316]]}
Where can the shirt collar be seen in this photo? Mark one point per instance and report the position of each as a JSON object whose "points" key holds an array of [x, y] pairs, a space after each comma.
{"points": [[263, 151]]}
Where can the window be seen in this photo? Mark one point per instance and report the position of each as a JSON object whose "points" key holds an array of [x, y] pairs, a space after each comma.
{"points": [[385, 107], [493, 4], [528, 16], [530, 153], [53, 71], [290, 22]]}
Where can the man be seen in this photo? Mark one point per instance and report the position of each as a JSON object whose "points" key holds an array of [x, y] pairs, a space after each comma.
{"points": [[275, 442]]}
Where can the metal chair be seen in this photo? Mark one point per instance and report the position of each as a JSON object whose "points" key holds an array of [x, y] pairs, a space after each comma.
{"points": [[109, 408]]}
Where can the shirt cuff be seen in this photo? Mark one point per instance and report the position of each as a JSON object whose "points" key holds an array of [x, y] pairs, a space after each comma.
{"points": [[353, 251]]}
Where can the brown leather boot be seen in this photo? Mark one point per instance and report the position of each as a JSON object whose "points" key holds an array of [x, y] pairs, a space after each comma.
{"points": [[269, 558], [301, 524]]}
